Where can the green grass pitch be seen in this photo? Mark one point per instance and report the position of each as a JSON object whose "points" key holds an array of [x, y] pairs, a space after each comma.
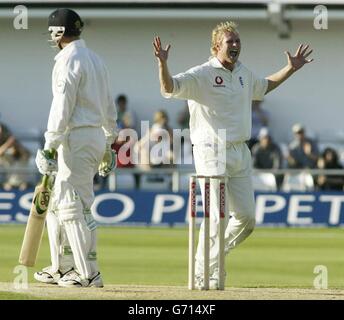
{"points": [[270, 257]]}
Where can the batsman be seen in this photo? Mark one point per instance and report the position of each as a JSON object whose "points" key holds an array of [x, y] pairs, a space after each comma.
{"points": [[220, 94], [81, 128]]}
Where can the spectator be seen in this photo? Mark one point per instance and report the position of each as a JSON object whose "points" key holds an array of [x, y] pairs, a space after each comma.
{"points": [[160, 133], [12, 154], [303, 151], [7, 140], [155, 150], [267, 154], [125, 117], [329, 160], [123, 147], [260, 119]]}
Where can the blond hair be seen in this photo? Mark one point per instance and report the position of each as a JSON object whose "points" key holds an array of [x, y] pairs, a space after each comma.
{"points": [[218, 32]]}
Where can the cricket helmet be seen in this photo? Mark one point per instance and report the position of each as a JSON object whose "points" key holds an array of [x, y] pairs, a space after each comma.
{"points": [[64, 22]]}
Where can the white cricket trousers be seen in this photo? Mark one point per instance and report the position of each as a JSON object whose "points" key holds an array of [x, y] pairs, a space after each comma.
{"points": [[235, 163], [71, 227]]}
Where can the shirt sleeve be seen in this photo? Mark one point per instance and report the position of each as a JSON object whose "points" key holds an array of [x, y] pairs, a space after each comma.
{"points": [[185, 85], [65, 83], [110, 118], [260, 85]]}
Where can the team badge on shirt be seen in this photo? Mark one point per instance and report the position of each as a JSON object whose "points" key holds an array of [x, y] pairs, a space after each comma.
{"points": [[218, 82], [60, 86]]}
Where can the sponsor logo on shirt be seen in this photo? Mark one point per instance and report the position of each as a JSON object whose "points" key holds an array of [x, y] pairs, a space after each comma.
{"points": [[241, 82], [218, 82]]}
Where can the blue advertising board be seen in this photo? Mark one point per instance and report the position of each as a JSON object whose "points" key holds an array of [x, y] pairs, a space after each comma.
{"points": [[153, 208]]}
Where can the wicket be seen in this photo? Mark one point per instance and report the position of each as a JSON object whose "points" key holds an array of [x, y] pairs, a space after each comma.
{"points": [[192, 230]]}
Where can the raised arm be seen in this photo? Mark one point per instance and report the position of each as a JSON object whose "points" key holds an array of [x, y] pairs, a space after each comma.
{"points": [[166, 82], [295, 63], [10, 141]]}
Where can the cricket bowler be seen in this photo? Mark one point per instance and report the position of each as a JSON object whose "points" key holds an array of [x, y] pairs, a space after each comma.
{"points": [[219, 94], [81, 127]]}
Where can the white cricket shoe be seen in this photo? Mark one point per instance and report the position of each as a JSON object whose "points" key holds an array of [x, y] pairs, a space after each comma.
{"points": [[213, 281], [96, 281], [199, 284], [49, 276], [74, 280]]}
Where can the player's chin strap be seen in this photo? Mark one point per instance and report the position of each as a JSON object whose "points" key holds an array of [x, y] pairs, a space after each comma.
{"points": [[56, 34]]}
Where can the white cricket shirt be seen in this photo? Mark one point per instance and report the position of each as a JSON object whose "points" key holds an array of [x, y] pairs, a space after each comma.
{"points": [[219, 99], [81, 95]]}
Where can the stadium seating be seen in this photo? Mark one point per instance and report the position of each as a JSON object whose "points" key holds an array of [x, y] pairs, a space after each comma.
{"points": [[155, 182], [121, 181], [264, 182], [285, 152], [298, 182]]}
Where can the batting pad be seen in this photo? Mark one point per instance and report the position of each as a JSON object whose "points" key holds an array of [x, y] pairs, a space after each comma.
{"points": [[80, 241]]}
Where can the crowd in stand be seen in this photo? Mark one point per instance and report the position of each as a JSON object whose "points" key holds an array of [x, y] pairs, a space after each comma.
{"points": [[301, 153], [12, 154]]}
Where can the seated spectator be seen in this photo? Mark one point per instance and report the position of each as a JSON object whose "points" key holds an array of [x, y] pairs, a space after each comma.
{"points": [[12, 154], [125, 117], [267, 154], [303, 151], [157, 140], [7, 140], [260, 119], [155, 150], [123, 147], [329, 160]]}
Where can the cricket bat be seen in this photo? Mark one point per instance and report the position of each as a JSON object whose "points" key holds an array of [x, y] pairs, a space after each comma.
{"points": [[35, 224]]}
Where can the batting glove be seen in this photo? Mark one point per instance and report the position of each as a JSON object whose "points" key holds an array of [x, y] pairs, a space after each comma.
{"points": [[46, 162], [108, 163]]}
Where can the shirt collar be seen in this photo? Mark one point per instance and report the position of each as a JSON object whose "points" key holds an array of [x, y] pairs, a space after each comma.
{"points": [[215, 63], [69, 47]]}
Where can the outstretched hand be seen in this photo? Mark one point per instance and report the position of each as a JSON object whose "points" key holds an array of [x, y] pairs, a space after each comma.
{"points": [[159, 52], [297, 61]]}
